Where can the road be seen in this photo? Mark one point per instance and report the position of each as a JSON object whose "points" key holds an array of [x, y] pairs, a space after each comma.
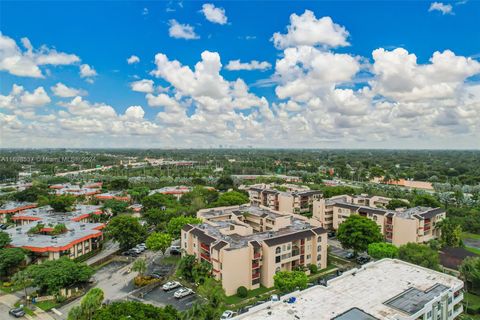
{"points": [[336, 248]]}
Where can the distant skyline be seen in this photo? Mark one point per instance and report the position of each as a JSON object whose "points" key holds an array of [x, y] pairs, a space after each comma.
{"points": [[199, 74]]}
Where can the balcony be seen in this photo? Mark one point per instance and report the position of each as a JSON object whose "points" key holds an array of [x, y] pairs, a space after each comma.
{"points": [[255, 265], [257, 255], [458, 298], [205, 247], [255, 275], [205, 256]]}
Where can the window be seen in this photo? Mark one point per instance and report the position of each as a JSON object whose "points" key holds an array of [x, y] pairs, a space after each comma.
{"points": [[288, 246], [277, 250], [429, 314], [319, 239], [319, 257], [277, 259], [319, 248], [308, 256]]}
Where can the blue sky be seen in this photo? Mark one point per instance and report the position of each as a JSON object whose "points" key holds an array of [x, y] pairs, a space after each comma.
{"points": [[312, 108]]}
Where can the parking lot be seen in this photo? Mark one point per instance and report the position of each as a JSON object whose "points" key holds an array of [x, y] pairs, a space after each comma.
{"points": [[337, 250], [161, 298]]}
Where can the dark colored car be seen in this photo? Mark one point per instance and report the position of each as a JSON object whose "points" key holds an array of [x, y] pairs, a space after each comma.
{"points": [[3, 226], [331, 234], [350, 255], [363, 259], [17, 312]]}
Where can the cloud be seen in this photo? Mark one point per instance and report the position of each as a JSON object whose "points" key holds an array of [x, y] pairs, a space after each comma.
{"points": [[252, 65], [182, 31], [27, 63], [133, 59], [61, 90], [307, 30], [214, 14], [87, 72], [20, 98], [443, 8], [143, 85]]}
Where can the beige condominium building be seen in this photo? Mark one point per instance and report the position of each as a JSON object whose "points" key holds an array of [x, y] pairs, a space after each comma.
{"points": [[247, 245], [291, 201], [387, 289], [418, 224]]}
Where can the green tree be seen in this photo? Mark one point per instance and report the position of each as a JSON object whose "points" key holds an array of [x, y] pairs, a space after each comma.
{"points": [[185, 267], [425, 200], [397, 203], [451, 234], [62, 203], [380, 250], [159, 201], [212, 291], [242, 292], [10, 260], [176, 224], [140, 266], [31, 194], [231, 198], [126, 230], [224, 183], [22, 279], [136, 311], [419, 254], [119, 184], [52, 275], [357, 232], [116, 206], [4, 239], [138, 193], [90, 303], [470, 271], [288, 281], [159, 242]]}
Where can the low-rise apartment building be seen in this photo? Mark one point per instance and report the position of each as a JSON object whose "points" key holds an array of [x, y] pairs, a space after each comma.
{"points": [[10, 208], [292, 201], [51, 235], [418, 224], [76, 190], [113, 195], [247, 245], [387, 289]]}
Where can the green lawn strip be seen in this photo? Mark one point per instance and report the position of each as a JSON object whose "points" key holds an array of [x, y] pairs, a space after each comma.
{"points": [[10, 289], [467, 235], [46, 305], [472, 299], [234, 299], [473, 250], [329, 269]]}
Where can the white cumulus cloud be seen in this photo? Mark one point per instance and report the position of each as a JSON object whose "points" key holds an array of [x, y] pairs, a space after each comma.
{"points": [[63, 91], [235, 65], [214, 14], [143, 85], [306, 29], [443, 8], [181, 31], [133, 59]]}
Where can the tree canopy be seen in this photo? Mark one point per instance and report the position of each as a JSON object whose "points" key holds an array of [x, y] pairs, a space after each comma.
{"points": [[10, 260], [231, 198], [288, 281], [357, 232], [159, 241], [62, 203], [4, 239], [470, 270], [90, 303], [135, 311], [53, 275], [176, 224], [451, 234], [126, 230], [419, 254], [380, 250]]}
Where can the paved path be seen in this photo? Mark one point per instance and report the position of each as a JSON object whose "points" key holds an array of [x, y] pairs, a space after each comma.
{"points": [[109, 248]]}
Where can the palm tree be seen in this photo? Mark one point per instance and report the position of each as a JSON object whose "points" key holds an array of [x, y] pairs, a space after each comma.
{"points": [[140, 265]]}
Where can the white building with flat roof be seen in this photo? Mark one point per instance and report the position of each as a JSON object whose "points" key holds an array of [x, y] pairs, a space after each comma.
{"points": [[385, 289]]}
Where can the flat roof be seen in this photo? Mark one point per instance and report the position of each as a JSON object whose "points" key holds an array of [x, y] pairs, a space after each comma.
{"points": [[367, 289]]}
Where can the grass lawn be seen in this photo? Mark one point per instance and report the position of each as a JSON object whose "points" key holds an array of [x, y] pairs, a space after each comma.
{"points": [[10, 289], [234, 299], [46, 305], [473, 299], [473, 250], [322, 272], [171, 260], [470, 235]]}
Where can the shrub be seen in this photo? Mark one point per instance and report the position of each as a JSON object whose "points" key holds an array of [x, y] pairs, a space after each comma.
{"points": [[313, 268], [140, 281], [7, 284], [242, 292]]}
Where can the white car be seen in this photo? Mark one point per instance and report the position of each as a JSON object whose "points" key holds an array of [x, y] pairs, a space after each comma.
{"points": [[170, 285], [228, 314], [274, 297], [183, 292]]}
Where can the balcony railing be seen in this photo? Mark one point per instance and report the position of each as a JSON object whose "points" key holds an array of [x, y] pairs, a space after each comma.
{"points": [[257, 255], [255, 265], [256, 275], [204, 246], [204, 256]]}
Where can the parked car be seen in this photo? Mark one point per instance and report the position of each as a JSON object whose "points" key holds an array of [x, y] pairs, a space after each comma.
{"points": [[228, 314], [170, 285], [175, 250], [331, 234], [136, 251], [3, 226], [17, 312], [363, 259], [274, 297], [350, 255], [183, 292]]}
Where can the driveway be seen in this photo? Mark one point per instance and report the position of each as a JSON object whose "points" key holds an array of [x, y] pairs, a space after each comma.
{"points": [[336, 248]]}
